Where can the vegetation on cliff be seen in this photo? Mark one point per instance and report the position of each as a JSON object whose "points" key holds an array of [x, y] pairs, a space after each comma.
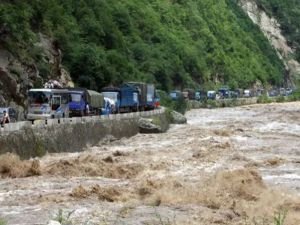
{"points": [[287, 13], [171, 43]]}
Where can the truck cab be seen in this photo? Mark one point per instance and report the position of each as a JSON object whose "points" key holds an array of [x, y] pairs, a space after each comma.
{"points": [[77, 104]]}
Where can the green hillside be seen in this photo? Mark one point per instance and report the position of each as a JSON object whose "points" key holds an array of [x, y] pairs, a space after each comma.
{"points": [[288, 15], [173, 43]]}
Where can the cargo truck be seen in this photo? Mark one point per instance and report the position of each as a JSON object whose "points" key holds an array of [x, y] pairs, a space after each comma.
{"points": [[80, 98], [126, 98], [146, 95]]}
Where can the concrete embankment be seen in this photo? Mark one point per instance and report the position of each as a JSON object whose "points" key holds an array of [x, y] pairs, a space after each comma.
{"points": [[71, 134]]}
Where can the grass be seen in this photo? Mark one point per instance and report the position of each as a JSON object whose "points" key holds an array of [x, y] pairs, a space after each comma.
{"points": [[63, 218], [264, 99], [2, 222], [281, 99], [278, 219]]}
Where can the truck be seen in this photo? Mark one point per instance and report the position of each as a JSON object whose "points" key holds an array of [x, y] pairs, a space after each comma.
{"points": [[80, 98], [189, 93], [176, 95], [95, 100], [114, 94], [211, 95], [224, 92], [200, 95], [126, 98], [142, 93], [78, 101], [151, 97]]}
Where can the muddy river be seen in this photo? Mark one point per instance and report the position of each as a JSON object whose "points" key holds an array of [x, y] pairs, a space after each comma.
{"points": [[237, 166]]}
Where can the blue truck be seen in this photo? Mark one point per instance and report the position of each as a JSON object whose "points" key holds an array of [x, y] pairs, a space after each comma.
{"points": [[176, 95], [224, 92], [126, 98], [80, 98], [146, 94], [78, 101]]}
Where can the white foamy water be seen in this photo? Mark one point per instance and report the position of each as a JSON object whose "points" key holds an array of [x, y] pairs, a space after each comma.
{"points": [[213, 140]]}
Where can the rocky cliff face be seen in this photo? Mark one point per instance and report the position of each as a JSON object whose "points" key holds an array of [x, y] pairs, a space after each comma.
{"points": [[271, 29], [17, 77]]}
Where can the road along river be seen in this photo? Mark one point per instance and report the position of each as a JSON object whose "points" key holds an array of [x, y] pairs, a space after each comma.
{"points": [[236, 166]]}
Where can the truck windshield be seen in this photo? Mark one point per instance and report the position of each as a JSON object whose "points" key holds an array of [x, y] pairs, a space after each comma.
{"points": [[173, 94], [111, 95], [39, 97], [76, 97]]}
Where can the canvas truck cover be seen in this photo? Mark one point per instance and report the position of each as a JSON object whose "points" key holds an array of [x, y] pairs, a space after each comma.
{"points": [[95, 99]]}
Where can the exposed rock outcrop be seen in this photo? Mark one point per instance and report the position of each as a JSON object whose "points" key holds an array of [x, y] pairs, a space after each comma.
{"points": [[52, 55], [271, 29], [17, 76]]}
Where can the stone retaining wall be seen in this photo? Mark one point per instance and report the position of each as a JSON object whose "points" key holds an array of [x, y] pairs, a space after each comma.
{"points": [[69, 134]]}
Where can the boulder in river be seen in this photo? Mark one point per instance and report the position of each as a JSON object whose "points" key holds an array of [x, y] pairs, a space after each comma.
{"points": [[178, 118], [147, 126]]}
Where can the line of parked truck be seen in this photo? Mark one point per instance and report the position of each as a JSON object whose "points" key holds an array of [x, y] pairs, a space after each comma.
{"points": [[47, 103], [226, 92], [51, 102]]}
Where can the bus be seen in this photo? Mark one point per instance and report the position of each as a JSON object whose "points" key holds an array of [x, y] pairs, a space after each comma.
{"points": [[47, 103]]}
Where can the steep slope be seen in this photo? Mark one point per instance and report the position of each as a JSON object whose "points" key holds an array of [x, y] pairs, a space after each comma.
{"points": [[171, 43], [18, 75], [287, 13], [281, 33]]}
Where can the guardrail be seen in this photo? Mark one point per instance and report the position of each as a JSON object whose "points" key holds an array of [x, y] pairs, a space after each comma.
{"points": [[11, 127]]}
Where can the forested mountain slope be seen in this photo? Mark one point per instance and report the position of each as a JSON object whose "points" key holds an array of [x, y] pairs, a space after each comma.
{"points": [[279, 22], [173, 43], [288, 15]]}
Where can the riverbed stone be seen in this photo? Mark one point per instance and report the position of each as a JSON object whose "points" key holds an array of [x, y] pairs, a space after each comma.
{"points": [[148, 126], [178, 118]]}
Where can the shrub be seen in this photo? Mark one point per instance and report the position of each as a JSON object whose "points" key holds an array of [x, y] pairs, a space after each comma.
{"points": [[211, 103], [179, 105], [2, 222], [63, 218], [280, 99], [295, 96], [264, 99]]}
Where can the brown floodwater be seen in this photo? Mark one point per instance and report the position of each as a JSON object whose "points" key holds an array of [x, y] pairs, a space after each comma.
{"points": [[232, 166]]}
